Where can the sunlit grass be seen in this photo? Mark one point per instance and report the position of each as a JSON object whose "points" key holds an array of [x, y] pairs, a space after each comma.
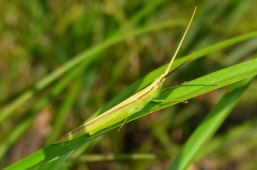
{"points": [[62, 61]]}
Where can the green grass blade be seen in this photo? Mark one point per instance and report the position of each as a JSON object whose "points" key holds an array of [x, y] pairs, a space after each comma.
{"points": [[246, 131], [56, 90], [209, 126], [184, 92], [64, 111], [55, 163], [151, 76]]}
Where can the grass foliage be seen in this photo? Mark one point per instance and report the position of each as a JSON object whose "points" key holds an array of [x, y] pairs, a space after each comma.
{"points": [[63, 60]]}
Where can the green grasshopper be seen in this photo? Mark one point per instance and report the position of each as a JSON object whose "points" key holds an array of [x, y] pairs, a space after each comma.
{"points": [[129, 106]]}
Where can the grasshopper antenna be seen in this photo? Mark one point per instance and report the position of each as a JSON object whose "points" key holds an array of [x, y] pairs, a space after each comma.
{"points": [[180, 43], [166, 75]]}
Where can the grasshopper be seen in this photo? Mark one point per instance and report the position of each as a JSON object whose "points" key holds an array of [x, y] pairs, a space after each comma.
{"points": [[129, 106]]}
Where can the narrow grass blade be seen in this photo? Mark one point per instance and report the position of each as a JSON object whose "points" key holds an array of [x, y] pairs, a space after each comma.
{"points": [[209, 126]]}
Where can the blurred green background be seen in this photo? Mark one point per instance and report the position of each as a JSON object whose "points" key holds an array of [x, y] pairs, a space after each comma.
{"points": [[39, 37]]}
